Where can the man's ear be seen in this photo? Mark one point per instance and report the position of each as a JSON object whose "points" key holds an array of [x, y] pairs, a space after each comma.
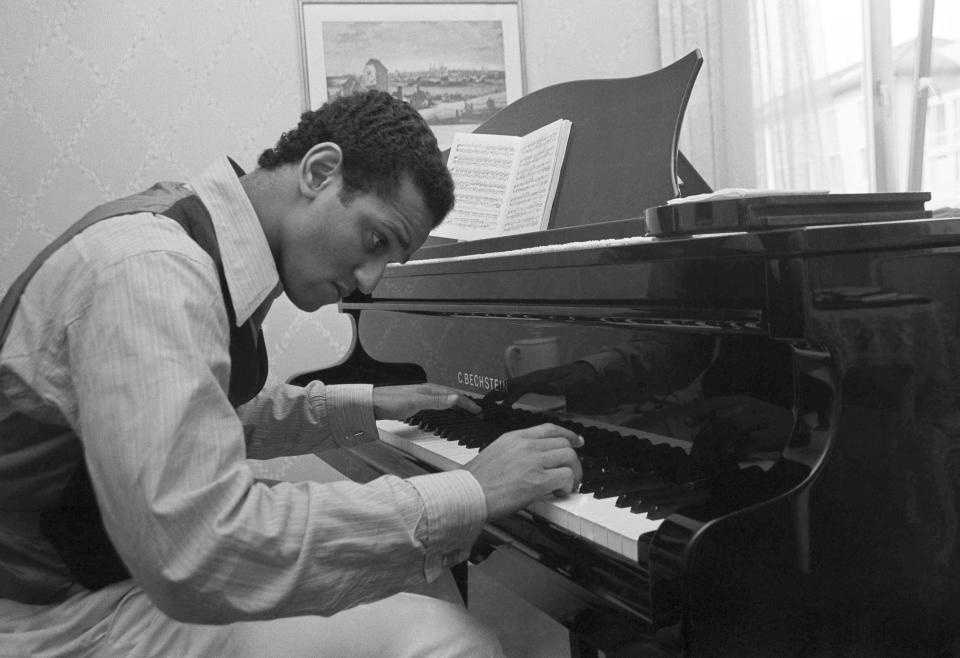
{"points": [[320, 167]]}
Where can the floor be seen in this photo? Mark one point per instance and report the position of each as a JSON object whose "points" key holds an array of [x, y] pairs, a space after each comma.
{"points": [[524, 631]]}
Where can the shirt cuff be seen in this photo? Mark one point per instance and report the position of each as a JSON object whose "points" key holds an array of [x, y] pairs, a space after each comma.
{"points": [[456, 510], [349, 412]]}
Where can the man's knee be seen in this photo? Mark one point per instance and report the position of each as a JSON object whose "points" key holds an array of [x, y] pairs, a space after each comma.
{"points": [[442, 629], [401, 626]]}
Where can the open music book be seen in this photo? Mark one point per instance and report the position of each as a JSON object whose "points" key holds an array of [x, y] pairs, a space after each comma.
{"points": [[504, 184]]}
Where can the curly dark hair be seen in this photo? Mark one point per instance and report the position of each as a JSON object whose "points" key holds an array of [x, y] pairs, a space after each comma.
{"points": [[382, 139]]}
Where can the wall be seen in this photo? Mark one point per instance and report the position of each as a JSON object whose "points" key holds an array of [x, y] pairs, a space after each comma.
{"points": [[102, 98]]}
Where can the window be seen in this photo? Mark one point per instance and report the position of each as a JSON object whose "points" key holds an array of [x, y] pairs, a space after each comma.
{"points": [[835, 90]]}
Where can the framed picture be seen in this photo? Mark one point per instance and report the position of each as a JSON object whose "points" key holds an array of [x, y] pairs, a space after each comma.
{"points": [[456, 62]]}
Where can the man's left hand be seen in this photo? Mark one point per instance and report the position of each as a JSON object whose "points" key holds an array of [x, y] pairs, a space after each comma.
{"points": [[400, 402]]}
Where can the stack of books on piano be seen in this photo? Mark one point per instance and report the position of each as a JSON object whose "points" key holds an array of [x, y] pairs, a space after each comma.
{"points": [[748, 210]]}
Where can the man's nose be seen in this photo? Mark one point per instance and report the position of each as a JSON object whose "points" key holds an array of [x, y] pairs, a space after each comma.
{"points": [[368, 275]]}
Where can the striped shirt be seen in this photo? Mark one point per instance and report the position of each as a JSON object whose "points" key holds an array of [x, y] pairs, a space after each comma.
{"points": [[122, 336]]}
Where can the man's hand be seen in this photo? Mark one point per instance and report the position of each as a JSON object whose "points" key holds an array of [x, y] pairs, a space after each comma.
{"points": [[574, 379], [526, 465], [401, 402]]}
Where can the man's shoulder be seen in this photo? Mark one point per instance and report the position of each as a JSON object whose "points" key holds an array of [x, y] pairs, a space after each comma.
{"points": [[119, 238], [139, 251]]}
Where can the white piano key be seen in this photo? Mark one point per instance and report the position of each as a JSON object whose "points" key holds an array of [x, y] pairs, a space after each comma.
{"points": [[598, 521]]}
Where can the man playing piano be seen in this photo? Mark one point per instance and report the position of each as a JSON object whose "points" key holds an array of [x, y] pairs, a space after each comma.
{"points": [[130, 398]]}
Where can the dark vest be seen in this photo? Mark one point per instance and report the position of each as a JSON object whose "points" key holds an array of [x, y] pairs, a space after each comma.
{"points": [[73, 524]]}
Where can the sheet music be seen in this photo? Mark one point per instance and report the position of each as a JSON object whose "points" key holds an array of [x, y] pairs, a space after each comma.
{"points": [[482, 169], [504, 184], [533, 179]]}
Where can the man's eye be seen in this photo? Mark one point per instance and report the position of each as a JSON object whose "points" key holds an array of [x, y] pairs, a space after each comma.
{"points": [[377, 241]]}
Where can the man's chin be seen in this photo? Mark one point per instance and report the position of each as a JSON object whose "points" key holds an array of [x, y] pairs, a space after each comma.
{"points": [[311, 296], [310, 305]]}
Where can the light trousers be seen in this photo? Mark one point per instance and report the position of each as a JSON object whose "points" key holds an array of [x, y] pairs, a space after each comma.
{"points": [[120, 621]]}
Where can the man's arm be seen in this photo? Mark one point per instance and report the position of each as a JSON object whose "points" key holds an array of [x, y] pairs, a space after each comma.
{"points": [[166, 454], [288, 420], [294, 420]]}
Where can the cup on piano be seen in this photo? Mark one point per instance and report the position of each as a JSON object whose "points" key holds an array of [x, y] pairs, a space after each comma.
{"points": [[529, 354]]}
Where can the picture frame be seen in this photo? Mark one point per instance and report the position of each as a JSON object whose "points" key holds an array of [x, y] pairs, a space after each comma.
{"points": [[457, 62]]}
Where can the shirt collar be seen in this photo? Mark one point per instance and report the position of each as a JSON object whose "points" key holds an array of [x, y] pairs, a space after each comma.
{"points": [[247, 260]]}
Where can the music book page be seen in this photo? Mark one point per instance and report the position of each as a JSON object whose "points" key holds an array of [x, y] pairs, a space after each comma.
{"points": [[504, 184]]}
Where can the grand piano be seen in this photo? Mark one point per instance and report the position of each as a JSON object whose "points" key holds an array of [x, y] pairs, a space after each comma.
{"points": [[785, 483]]}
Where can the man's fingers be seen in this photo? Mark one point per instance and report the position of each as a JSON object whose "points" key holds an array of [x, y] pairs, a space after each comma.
{"points": [[465, 403], [525, 465], [515, 391], [550, 443], [550, 430], [560, 456], [566, 460], [563, 481], [492, 397], [440, 397]]}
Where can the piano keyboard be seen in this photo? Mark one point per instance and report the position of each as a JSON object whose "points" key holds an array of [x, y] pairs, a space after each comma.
{"points": [[615, 521]]}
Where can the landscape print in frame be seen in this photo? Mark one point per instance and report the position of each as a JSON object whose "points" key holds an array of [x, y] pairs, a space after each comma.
{"points": [[457, 63]]}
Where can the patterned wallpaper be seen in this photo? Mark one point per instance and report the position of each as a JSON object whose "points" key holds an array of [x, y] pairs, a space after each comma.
{"points": [[101, 98]]}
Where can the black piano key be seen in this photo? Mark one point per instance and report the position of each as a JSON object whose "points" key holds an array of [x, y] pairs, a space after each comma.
{"points": [[641, 493], [588, 462], [663, 512], [592, 473], [626, 483], [670, 497], [618, 451], [646, 477], [596, 478], [649, 488]]}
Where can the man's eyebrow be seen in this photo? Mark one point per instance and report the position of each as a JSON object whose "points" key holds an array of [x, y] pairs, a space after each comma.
{"points": [[400, 237]]}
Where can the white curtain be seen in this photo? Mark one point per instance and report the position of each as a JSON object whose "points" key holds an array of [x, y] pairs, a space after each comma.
{"points": [[685, 25], [795, 109], [760, 112]]}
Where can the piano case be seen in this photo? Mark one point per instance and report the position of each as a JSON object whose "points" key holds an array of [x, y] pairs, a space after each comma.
{"points": [[839, 537]]}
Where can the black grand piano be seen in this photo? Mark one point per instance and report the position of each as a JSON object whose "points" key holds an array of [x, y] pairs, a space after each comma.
{"points": [[786, 483]]}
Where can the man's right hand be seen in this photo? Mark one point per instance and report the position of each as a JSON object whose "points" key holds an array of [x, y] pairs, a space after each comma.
{"points": [[527, 465]]}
